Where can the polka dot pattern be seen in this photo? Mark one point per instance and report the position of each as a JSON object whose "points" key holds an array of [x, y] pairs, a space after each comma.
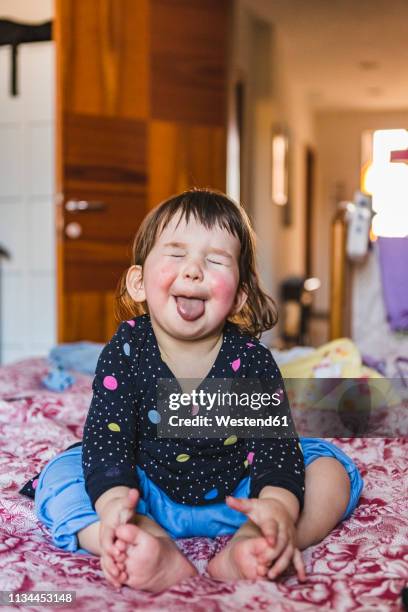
{"points": [[110, 382], [211, 494], [121, 427], [154, 416], [182, 457]]}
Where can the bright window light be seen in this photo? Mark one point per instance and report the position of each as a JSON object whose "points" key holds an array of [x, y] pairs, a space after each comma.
{"points": [[388, 184]]}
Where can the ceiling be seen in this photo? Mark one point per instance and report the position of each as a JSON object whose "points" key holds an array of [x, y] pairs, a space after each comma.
{"points": [[343, 53]]}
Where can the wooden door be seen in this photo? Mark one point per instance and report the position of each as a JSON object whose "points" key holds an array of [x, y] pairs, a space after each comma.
{"points": [[141, 104]]}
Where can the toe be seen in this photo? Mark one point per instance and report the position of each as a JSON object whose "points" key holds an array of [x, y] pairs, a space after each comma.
{"points": [[120, 546], [261, 570], [123, 577]]}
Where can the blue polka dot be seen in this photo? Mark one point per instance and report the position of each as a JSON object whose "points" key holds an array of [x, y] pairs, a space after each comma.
{"points": [[126, 349], [154, 416], [211, 494]]}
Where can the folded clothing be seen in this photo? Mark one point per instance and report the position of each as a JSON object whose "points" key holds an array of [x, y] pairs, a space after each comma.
{"points": [[338, 359], [77, 356], [58, 379]]}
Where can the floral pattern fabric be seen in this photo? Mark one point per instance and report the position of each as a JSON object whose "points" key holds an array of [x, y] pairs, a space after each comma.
{"points": [[361, 565]]}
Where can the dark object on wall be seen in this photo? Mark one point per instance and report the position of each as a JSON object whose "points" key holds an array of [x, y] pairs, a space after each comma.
{"points": [[296, 306], [13, 33]]}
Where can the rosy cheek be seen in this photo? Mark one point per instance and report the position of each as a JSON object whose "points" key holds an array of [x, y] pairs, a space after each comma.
{"points": [[224, 288], [166, 271]]}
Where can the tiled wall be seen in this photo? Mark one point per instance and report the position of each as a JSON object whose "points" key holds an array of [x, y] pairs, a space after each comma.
{"points": [[26, 203]]}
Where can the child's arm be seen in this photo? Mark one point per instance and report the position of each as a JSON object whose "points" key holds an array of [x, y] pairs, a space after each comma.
{"points": [[111, 427], [276, 462], [114, 493], [275, 520], [110, 435], [277, 476]]}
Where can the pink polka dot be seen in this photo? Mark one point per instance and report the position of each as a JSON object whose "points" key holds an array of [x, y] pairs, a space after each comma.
{"points": [[250, 458], [131, 323], [35, 483], [110, 382], [236, 364]]}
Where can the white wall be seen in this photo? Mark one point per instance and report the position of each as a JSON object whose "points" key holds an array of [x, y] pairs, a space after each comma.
{"points": [[27, 10], [26, 192], [271, 99]]}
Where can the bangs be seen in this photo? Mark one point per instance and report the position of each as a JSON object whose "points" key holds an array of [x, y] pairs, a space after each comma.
{"points": [[209, 208]]}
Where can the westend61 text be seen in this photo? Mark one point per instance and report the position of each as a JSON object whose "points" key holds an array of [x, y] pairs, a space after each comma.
{"points": [[227, 421]]}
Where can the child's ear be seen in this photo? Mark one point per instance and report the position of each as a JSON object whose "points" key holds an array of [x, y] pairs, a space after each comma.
{"points": [[239, 302], [134, 284]]}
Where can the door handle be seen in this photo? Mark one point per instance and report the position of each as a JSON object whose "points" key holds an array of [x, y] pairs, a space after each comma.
{"points": [[84, 206]]}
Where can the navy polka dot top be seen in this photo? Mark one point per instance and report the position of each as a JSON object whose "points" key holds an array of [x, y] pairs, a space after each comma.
{"points": [[121, 427]]}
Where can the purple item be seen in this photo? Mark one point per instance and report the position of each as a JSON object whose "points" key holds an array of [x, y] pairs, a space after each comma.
{"points": [[394, 274]]}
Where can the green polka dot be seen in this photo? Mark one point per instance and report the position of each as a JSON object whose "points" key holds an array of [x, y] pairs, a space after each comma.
{"points": [[114, 427], [183, 457], [230, 440]]}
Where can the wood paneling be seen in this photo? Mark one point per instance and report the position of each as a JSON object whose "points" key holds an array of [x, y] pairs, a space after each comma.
{"points": [[141, 88], [189, 41], [109, 151], [182, 155], [117, 223], [105, 57], [90, 315]]}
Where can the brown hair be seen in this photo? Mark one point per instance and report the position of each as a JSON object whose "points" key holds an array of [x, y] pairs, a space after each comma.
{"points": [[210, 208]]}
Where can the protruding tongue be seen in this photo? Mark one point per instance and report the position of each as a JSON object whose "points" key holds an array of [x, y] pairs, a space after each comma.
{"points": [[190, 308]]}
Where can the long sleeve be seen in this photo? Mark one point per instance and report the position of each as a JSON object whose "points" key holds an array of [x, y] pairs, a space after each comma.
{"points": [[110, 432], [276, 461]]}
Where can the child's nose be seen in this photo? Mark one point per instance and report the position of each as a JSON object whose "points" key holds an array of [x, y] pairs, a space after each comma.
{"points": [[193, 271]]}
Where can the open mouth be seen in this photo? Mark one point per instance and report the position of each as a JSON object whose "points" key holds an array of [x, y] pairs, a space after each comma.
{"points": [[189, 308]]}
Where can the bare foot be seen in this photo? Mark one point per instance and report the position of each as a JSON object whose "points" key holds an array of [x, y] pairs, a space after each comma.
{"points": [[244, 557], [152, 563]]}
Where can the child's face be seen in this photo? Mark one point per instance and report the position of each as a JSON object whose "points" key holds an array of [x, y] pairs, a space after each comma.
{"points": [[191, 277]]}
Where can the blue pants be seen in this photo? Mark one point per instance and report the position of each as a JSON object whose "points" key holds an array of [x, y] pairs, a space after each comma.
{"points": [[63, 505]]}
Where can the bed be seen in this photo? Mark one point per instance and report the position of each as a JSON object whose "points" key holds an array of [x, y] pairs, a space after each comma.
{"points": [[362, 565]]}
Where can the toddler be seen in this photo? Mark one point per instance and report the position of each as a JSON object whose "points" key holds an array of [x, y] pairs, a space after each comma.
{"points": [[194, 309]]}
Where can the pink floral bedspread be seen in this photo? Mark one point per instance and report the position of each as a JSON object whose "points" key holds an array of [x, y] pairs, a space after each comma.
{"points": [[362, 565]]}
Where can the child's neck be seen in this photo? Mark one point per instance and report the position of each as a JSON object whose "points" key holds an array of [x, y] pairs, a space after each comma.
{"points": [[188, 358]]}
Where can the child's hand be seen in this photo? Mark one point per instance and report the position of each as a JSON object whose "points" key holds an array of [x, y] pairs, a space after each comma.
{"points": [[115, 512], [278, 528]]}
